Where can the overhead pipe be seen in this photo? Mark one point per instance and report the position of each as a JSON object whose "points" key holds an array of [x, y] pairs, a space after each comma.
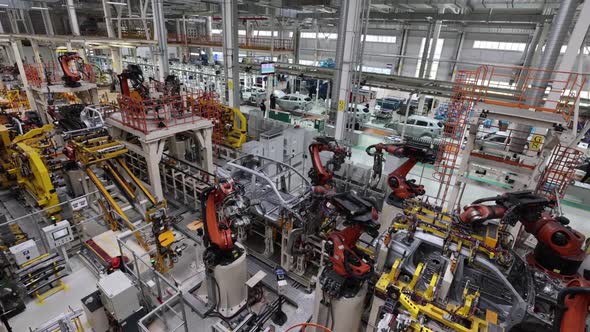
{"points": [[559, 29]]}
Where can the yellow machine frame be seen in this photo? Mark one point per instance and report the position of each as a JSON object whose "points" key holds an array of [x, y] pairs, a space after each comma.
{"points": [[237, 134], [25, 160]]}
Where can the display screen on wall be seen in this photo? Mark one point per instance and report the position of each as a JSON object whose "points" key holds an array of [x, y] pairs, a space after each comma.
{"points": [[267, 68]]}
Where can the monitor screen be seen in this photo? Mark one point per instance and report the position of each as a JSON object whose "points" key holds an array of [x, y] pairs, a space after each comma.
{"points": [[267, 68], [60, 234]]}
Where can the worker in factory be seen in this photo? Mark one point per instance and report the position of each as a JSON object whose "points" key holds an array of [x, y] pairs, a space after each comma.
{"points": [[273, 101], [262, 107]]}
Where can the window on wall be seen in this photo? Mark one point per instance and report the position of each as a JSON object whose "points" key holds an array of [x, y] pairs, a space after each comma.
{"points": [[377, 70], [379, 39], [435, 58], [307, 62], [264, 33], [322, 35], [494, 45]]}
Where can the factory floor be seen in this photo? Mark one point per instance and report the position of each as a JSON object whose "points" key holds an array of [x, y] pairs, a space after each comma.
{"points": [[80, 283]]}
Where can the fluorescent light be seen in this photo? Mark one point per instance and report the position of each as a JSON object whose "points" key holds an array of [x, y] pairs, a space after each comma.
{"points": [[3, 5], [116, 3], [39, 8]]}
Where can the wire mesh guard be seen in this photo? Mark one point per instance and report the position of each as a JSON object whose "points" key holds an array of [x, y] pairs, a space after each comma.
{"points": [[559, 172], [148, 115], [51, 73]]}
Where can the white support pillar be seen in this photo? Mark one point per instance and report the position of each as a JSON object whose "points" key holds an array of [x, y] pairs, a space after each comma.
{"points": [[73, 18], [27, 22], [47, 22], [568, 60], [23, 77], [161, 51], [205, 139], [350, 27], [425, 52], [153, 154], [454, 65], [108, 18], [432, 50], [402, 52], [209, 32], [37, 56], [231, 52]]}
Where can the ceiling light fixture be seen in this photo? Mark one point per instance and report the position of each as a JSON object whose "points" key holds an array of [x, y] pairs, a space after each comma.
{"points": [[39, 8], [116, 3], [3, 5]]}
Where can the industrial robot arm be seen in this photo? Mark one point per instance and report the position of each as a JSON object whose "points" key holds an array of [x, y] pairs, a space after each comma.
{"points": [[71, 77], [572, 311], [224, 209], [321, 175], [559, 247], [133, 74], [401, 188]]}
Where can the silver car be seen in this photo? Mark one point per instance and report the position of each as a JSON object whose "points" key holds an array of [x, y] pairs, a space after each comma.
{"points": [[419, 126], [295, 103]]}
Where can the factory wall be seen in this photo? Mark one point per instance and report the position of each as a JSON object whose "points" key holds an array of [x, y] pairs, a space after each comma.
{"points": [[386, 55]]}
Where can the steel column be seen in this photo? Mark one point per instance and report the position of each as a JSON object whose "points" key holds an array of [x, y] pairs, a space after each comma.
{"points": [[432, 49], [209, 33], [73, 18], [453, 71], [568, 60], [349, 27], [161, 51], [425, 52], [529, 54], [402, 52], [231, 51], [559, 29], [47, 22], [23, 77]]}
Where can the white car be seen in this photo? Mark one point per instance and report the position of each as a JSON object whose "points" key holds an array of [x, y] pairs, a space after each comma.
{"points": [[419, 127], [251, 94], [295, 103]]}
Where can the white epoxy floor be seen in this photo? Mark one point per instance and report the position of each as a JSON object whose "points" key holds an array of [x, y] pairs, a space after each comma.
{"points": [[80, 283]]}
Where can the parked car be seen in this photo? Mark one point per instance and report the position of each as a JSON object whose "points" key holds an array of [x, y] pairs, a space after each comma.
{"points": [[295, 103], [385, 107], [361, 114], [251, 94], [500, 141], [419, 126]]}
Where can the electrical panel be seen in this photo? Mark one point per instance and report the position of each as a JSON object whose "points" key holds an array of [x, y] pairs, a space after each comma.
{"points": [[59, 234], [119, 296], [24, 252]]}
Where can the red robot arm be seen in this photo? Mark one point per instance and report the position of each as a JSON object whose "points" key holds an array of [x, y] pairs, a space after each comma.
{"points": [[224, 208], [64, 61], [345, 261], [401, 188], [319, 174], [559, 248], [572, 311]]}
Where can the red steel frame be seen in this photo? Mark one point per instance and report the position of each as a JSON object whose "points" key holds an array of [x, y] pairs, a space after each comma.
{"points": [[39, 74], [169, 111], [476, 86]]}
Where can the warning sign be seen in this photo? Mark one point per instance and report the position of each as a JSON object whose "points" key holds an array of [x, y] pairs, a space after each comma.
{"points": [[341, 105], [536, 142]]}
